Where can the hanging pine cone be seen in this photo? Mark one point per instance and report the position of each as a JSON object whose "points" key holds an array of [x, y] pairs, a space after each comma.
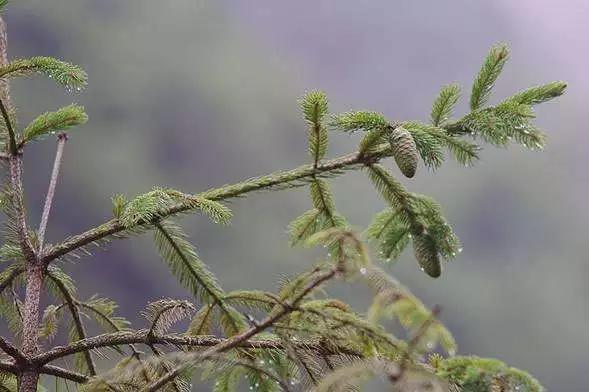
{"points": [[426, 254], [404, 151]]}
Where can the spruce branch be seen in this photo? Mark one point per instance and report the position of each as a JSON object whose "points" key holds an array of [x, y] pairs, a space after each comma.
{"points": [[66, 74], [490, 70], [444, 104], [53, 122], [61, 140], [204, 341], [299, 176]]}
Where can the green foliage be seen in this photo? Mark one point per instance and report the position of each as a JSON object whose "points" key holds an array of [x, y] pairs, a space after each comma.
{"points": [[50, 322], [390, 234], [490, 70], [69, 75], [444, 104], [103, 312], [538, 94], [53, 122], [151, 206], [359, 121], [473, 374], [164, 313], [463, 151], [184, 262], [314, 107]]}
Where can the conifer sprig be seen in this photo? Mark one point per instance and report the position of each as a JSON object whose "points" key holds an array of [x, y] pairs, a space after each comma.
{"points": [[444, 104], [485, 80], [53, 122], [314, 108], [66, 74]]}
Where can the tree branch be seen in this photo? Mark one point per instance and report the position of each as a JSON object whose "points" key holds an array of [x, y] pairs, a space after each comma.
{"points": [[281, 179], [142, 337], [244, 336], [50, 370], [61, 139], [11, 350]]}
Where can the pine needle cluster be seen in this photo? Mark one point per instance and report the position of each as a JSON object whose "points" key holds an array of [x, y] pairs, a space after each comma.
{"points": [[297, 338]]}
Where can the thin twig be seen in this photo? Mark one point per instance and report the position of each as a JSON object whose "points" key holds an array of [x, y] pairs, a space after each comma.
{"points": [[61, 140]]}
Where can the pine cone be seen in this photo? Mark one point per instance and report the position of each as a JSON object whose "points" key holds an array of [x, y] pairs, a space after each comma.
{"points": [[426, 254], [404, 151]]}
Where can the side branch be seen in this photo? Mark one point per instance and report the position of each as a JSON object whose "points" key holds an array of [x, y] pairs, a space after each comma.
{"points": [[289, 178], [11, 350], [142, 337], [48, 369]]}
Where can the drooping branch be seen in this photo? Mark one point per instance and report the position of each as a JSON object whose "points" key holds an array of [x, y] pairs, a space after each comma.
{"points": [[277, 180], [78, 325]]}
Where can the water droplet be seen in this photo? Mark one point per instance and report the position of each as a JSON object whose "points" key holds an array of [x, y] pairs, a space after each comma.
{"points": [[459, 250], [78, 88], [262, 362], [257, 384], [363, 271], [251, 388], [429, 345]]}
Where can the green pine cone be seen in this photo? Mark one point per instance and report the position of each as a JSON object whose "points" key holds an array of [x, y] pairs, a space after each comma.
{"points": [[427, 255], [404, 151]]}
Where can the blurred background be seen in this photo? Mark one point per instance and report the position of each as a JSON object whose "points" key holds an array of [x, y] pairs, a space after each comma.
{"points": [[193, 94]]}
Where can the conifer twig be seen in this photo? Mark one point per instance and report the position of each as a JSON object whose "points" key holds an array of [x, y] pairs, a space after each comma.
{"points": [[61, 140]]}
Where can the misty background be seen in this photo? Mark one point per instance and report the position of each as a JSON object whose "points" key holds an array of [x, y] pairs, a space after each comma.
{"points": [[196, 94]]}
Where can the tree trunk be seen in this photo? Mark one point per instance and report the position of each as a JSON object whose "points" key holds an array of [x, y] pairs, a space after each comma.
{"points": [[28, 379]]}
